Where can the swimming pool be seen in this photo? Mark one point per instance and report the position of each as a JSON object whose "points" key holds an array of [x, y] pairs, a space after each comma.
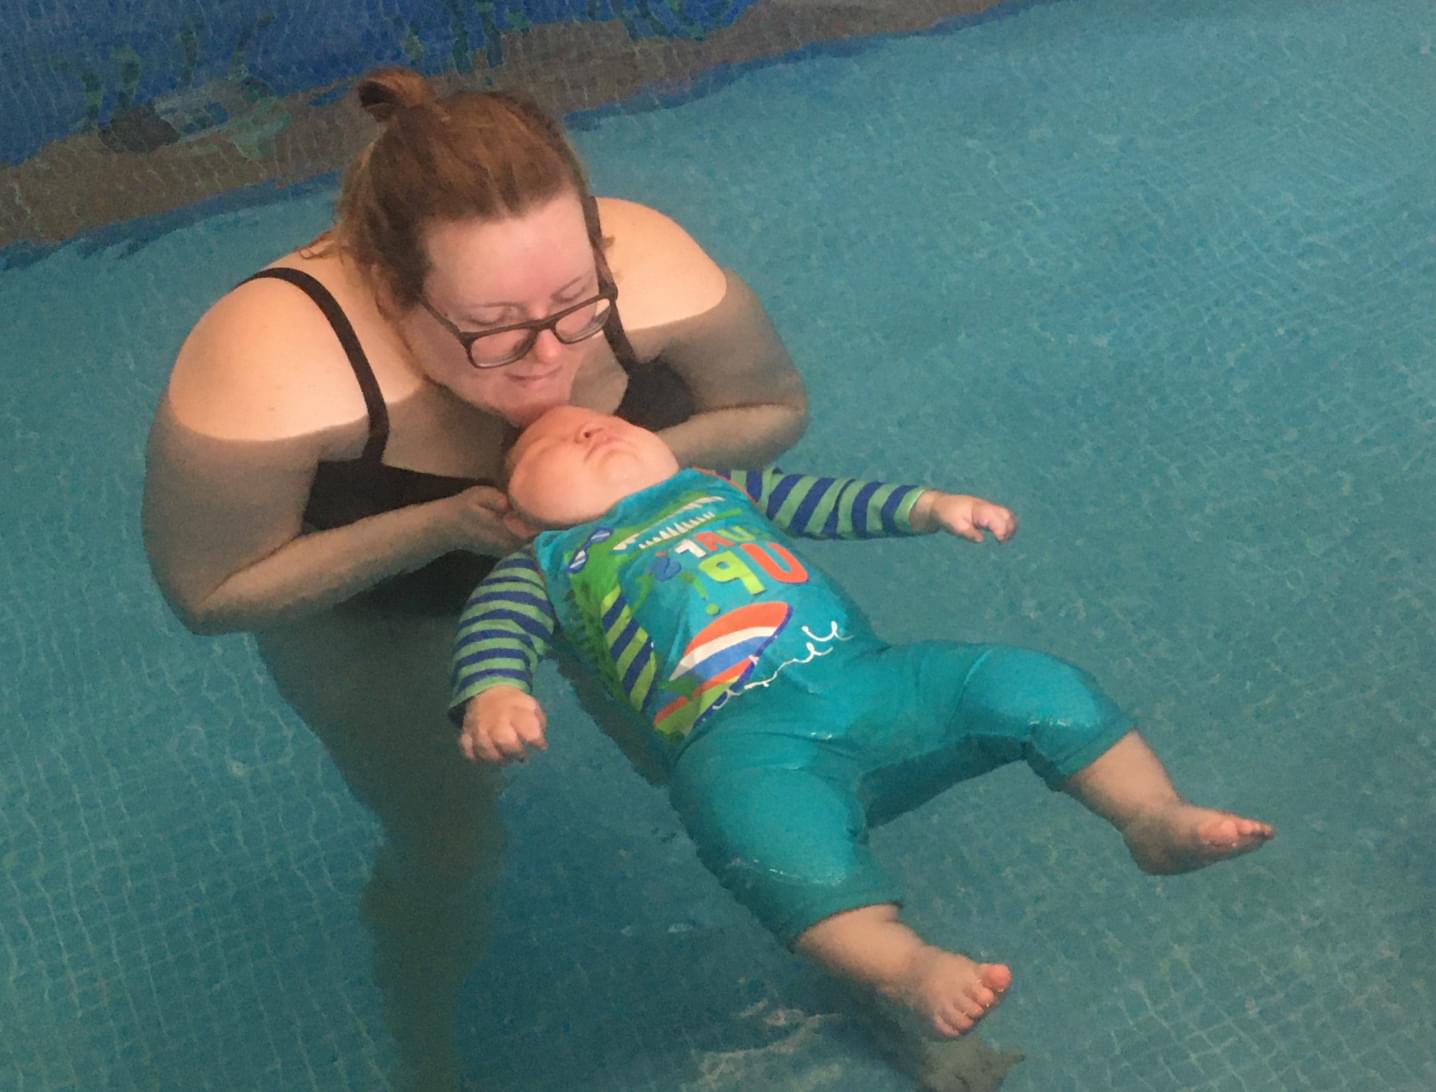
{"points": [[1158, 277]]}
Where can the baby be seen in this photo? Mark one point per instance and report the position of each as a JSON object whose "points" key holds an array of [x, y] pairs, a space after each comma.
{"points": [[787, 726]]}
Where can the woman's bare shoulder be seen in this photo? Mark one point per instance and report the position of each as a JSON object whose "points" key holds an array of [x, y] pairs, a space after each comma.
{"points": [[663, 274], [263, 363]]}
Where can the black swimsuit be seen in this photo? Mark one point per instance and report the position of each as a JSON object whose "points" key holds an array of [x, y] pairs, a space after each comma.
{"points": [[347, 490]]}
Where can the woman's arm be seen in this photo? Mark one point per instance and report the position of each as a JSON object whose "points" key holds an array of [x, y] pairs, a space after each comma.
{"points": [[223, 531], [709, 327], [749, 399], [255, 402]]}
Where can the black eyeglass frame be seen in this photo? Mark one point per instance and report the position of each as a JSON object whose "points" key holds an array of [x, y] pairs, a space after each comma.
{"points": [[466, 338]]}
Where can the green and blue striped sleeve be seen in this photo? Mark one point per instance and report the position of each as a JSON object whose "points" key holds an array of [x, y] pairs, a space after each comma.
{"points": [[505, 629], [819, 507]]}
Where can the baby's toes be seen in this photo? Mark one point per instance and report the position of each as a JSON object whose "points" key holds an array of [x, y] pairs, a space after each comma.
{"points": [[996, 976], [984, 997], [1255, 828], [1222, 831], [951, 1022]]}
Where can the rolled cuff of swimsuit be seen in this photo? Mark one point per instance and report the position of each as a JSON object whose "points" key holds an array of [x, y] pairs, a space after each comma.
{"points": [[471, 689], [802, 915], [1057, 771], [902, 518]]}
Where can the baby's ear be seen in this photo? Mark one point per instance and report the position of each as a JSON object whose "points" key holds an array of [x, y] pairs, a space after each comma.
{"points": [[518, 525]]}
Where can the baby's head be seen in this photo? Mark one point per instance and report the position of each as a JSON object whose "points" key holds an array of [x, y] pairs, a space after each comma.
{"points": [[573, 464]]}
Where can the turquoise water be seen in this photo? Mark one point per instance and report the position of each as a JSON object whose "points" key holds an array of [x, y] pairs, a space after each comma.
{"points": [[1158, 277]]}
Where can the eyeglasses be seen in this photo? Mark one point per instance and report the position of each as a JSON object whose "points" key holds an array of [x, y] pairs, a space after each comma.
{"points": [[505, 344]]}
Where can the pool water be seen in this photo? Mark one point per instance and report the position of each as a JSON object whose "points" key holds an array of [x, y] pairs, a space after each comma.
{"points": [[1158, 277]]}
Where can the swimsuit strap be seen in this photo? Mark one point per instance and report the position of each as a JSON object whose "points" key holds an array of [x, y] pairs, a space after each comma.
{"points": [[617, 338], [344, 330], [613, 331]]}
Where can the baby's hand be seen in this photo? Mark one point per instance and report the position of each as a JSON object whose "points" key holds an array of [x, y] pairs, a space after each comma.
{"points": [[962, 515], [500, 724]]}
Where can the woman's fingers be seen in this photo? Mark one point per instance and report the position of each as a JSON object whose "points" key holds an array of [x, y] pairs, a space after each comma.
{"points": [[486, 496]]}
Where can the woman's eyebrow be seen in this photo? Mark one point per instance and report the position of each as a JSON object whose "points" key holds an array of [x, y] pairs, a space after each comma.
{"points": [[568, 286], [592, 274]]}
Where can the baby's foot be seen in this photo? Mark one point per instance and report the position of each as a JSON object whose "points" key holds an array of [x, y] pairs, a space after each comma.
{"points": [[1182, 837], [950, 992]]}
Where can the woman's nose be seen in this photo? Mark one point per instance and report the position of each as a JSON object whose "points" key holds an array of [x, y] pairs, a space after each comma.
{"points": [[547, 347]]}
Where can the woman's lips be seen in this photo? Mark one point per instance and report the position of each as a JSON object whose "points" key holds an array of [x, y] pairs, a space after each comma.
{"points": [[535, 378]]}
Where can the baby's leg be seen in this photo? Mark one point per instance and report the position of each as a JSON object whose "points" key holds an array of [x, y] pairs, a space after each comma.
{"points": [[1128, 786], [948, 991], [780, 823], [1016, 701]]}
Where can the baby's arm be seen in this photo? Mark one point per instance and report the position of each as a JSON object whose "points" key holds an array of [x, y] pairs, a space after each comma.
{"points": [[821, 507], [504, 631], [961, 515], [500, 725]]}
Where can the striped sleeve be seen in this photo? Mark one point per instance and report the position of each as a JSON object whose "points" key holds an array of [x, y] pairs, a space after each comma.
{"points": [[814, 507], [504, 630]]}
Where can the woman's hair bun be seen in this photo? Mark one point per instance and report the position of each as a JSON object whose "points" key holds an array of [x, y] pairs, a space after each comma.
{"points": [[385, 91]]}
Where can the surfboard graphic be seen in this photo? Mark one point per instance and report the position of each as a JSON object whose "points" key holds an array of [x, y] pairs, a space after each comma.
{"points": [[720, 656]]}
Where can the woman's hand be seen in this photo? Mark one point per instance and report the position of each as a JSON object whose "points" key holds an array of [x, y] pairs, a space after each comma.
{"points": [[501, 724], [480, 520], [961, 515]]}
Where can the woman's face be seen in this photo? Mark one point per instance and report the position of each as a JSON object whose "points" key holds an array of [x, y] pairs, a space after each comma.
{"points": [[485, 274]]}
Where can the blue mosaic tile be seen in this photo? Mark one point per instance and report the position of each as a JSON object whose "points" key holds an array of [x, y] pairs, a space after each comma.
{"points": [[158, 74]]}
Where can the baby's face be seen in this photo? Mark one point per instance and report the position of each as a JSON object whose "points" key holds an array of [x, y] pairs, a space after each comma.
{"points": [[573, 465]]}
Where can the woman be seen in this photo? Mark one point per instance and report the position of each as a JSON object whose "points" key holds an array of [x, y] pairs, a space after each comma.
{"points": [[322, 468]]}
